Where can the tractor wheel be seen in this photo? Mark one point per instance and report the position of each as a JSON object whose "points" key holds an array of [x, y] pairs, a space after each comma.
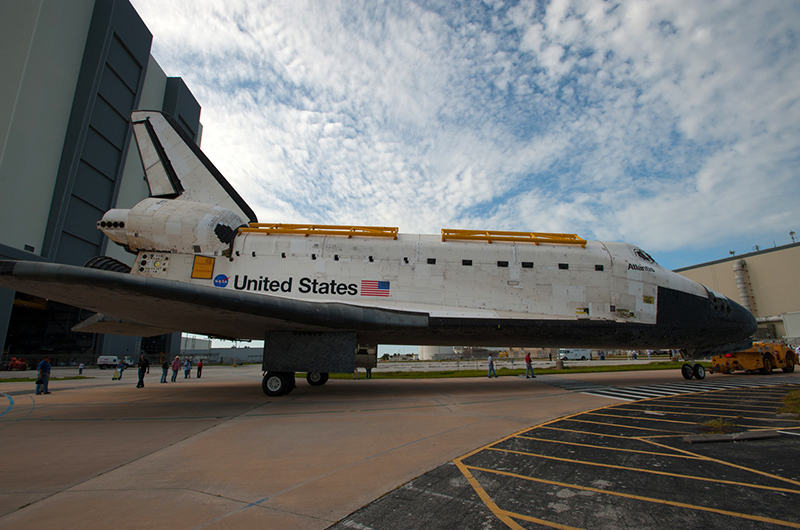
{"points": [[789, 364], [767, 365]]}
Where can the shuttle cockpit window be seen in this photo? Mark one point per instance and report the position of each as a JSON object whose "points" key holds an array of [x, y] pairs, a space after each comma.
{"points": [[641, 254]]}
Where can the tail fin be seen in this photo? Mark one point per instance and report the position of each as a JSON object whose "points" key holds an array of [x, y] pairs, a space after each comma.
{"points": [[176, 168]]}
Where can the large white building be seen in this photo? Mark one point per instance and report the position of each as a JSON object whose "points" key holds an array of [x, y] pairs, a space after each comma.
{"points": [[72, 72]]}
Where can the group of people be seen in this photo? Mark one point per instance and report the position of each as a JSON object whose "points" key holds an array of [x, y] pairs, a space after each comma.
{"points": [[144, 369], [176, 366], [528, 367]]}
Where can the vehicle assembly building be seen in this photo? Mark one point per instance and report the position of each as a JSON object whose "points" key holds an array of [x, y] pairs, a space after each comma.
{"points": [[72, 74]]}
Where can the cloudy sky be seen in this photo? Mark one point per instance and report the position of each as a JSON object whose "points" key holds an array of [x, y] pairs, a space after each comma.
{"points": [[673, 125]]}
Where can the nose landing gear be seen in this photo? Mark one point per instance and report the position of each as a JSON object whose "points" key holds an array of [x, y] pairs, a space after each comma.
{"points": [[697, 371]]}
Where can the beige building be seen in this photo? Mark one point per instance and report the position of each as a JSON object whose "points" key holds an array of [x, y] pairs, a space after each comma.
{"points": [[766, 282]]}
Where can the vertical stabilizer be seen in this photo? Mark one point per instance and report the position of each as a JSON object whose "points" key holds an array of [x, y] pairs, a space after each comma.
{"points": [[176, 168]]}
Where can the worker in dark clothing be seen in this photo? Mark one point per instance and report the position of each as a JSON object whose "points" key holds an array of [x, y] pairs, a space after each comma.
{"points": [[144, 367]]}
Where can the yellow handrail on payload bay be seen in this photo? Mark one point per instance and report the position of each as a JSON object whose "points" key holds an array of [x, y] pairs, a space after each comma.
{"points": [[319, 230], [491, 236]]}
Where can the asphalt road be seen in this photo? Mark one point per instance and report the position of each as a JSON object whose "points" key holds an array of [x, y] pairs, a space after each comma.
{"points": [[578, 450], [630, 465]]}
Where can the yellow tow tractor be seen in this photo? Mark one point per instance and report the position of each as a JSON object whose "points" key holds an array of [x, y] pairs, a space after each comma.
{"points": [[763, 356]]}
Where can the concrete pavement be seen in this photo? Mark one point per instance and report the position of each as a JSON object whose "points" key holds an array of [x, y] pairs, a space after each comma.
{"points": [[218, 453]]}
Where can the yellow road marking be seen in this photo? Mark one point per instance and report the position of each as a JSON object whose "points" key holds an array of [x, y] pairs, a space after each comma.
{"points": [[688, 399], [638, 498], [507, 516], [503, 515], [645, 418], [701, 414], [652, 472], [623, 426], [598, 434], [736, 466], [606, 448]]}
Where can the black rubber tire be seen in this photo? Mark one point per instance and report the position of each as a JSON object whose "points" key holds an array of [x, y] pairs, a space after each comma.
{"points": [[767, 365], [277, 383], [583, 358], [103, 367], [699, 372], [317, 378], [789, 364], [686, 371]]}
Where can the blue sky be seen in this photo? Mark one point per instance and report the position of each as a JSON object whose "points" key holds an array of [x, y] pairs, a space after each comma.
{"points": [[673, 125]]}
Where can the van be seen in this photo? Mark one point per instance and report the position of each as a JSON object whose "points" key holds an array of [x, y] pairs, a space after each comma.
{"points": [[575, 354], [107, 361]]}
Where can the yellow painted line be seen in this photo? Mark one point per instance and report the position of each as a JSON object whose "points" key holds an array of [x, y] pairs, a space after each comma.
{"points": [[700, 414], [604, 448], [595, 433], [735, 466], [539, 521], [715, 401], [507, 516], [645, 418], [649, 471], [651, 437], [790, 524], [487, 500], [713, 398], [622, 426], [697, 411], [540, 426]]}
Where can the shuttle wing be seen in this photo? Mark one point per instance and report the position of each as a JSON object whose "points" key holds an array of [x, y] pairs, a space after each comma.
{"points": [[146, 306]]}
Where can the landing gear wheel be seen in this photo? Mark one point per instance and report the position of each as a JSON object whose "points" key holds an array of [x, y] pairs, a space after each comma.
{"points": [[686, 371], [699, 371], [317, 378], [789, 364], [767, 362], [277, 383]]}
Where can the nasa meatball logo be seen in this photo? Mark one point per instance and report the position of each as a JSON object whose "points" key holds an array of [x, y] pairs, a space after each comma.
{"points": [[221, 280]]}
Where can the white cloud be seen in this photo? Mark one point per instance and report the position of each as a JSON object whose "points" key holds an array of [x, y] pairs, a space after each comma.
{"points": [[660, 123]]}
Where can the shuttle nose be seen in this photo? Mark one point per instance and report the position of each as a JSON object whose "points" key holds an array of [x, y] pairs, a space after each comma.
{"points": [[738, 321], [745, 318]]}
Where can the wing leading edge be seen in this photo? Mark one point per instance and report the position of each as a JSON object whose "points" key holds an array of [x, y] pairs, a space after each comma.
{"points": [[164, 305]]}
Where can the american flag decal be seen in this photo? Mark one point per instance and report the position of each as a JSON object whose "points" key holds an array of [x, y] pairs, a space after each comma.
{"points": [[374, 288]]}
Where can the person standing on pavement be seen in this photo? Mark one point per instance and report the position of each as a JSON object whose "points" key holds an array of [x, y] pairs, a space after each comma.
{"points": [[528, 367], [144, 367], [118, 372], [164, 370], [176, 365], [199, 368], [80, 369], [187, 369], [491, 367], [44, 376]]}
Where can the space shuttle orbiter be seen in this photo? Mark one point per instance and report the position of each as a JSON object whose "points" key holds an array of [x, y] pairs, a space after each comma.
{"points": [[315, 293]]}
